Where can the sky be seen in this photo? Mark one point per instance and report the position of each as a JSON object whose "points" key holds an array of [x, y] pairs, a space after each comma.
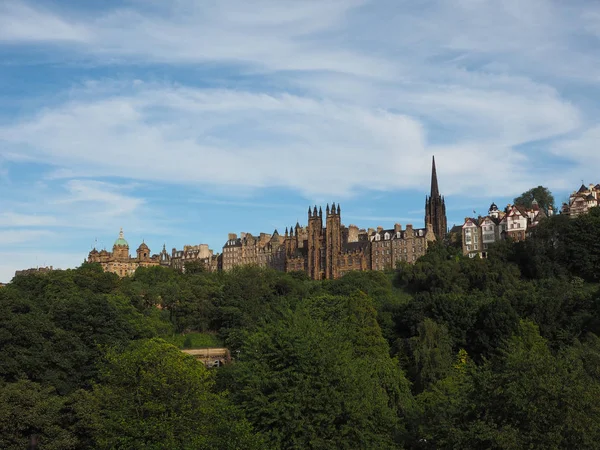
{"points": [[185, 120]]}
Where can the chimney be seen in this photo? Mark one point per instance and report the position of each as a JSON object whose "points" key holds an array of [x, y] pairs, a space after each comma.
{"points": [[231, 237], [379, 229], [397, 227]]}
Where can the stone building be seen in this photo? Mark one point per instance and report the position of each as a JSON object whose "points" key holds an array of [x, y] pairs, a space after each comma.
{"points": [[119, 261], [264, 250], [197, 253], [394, 245], [515, 222], [326, 249], [34, 270], [435, 207], [582, 200]]}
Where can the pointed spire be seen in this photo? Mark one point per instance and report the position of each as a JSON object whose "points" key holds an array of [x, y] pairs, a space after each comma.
{"points": [[286, 231], [315, 211], [309, 212], [320, 212], [435, 192], [333, 207], [339, 210], [327, 209]]}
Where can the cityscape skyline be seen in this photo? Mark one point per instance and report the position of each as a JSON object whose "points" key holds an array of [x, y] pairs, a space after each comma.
{"points": [[183, 121]]}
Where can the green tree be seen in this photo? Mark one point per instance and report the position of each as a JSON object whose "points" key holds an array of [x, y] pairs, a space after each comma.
{"points": [[431, 353], [31, 413], [541, 194], [154, 396], [300, 382], [194, 267]]}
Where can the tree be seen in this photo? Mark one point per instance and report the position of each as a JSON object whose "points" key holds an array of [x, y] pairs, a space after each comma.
{"points": [[300, 382], [154, 396], [194, 266], [431, 352], [30, 413], [541, 194]]}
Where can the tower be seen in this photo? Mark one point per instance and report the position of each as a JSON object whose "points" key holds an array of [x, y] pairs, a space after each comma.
{"points": [[315, 240], [121, 248], [435, 207], [333, 242]]}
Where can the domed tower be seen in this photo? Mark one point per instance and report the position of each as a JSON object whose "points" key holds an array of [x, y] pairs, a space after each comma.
{"points": [[121, 248], [143, 252]]}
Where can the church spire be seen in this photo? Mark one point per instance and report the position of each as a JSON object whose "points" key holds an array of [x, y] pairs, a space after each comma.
{"points": [[435, 191], [435, 207]]}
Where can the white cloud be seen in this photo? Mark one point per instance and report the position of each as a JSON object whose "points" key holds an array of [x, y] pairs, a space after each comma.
{"points": [[213, 137], [20, 22], [336, 97]]}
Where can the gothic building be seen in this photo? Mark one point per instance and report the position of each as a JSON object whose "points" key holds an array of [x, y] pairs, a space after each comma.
{"points": [[326, 249], [435, 207]]}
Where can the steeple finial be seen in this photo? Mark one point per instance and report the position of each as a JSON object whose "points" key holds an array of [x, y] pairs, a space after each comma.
{"points": [[435, 192], [121, 236]]}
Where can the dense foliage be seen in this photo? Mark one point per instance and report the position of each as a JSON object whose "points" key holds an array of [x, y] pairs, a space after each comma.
{"points": [[450, 352], [540, 194]]}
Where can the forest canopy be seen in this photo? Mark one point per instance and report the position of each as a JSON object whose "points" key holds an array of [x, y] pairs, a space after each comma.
{"points": [[451, 352]]}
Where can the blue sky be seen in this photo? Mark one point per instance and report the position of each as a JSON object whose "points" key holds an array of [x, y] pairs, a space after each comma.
{"points": [[182, 121]]}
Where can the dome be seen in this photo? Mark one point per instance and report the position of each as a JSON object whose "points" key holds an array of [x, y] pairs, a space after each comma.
{"points": [[121, 240], [143, 247]]}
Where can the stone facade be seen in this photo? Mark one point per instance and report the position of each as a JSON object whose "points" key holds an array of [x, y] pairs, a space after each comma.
{"points": [[435, 208], [515, 222], [394, 245], [326, 249], [197, 253], [119, 261], [34, 270], [582, 200]]}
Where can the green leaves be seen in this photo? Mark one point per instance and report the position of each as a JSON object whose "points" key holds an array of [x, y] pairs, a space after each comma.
{"points": [[311, 379], [154, 396]]}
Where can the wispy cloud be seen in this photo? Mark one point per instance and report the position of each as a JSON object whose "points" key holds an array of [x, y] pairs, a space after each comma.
{"points": [[20, 22], [329, 99]]}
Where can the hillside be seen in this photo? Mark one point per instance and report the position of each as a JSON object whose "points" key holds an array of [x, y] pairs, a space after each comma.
{"points": [[450, 352]]}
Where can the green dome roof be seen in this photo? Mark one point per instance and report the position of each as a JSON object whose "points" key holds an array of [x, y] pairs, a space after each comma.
{"points": [[121, 240]]}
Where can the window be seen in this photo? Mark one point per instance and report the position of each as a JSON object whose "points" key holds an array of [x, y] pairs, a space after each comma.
{"points": [[468, 248]]}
